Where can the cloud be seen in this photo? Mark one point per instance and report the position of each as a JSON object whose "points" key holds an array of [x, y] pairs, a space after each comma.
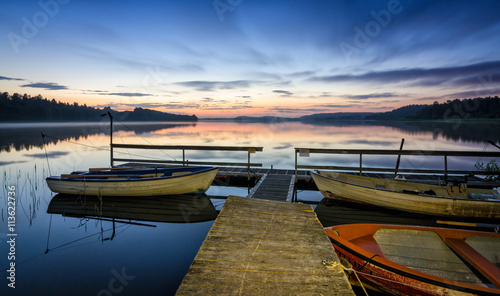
{"points": [[295, 110], [284, 93], [128, 94], [45, 85], [201, 85], [470, 74], [302, 74], [10, 78], [337, 105], [371, 96]]}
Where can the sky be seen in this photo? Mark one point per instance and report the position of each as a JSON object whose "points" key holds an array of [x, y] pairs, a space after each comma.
{"points": [[225, 58]]}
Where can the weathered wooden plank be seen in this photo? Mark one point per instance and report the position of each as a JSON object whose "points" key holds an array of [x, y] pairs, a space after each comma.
{"points": [[261, 247]]}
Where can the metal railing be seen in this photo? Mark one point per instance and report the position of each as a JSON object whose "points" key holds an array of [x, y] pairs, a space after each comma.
{"points": [[445, 154]]}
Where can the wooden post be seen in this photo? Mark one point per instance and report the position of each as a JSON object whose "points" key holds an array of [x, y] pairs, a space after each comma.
{"points": [[295, 165], [111, 138], [399, 156], [248, 171], [360, 163], [446, 169]]}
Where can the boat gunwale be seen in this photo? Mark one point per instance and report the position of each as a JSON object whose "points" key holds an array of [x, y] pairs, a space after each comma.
{"points": [[317, 173], [402, 270], [131, 179]]}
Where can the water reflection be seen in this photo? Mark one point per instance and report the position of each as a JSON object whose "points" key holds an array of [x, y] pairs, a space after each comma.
{"points": [[333, 212], [172, 209], [28, 136], [456, 131]]}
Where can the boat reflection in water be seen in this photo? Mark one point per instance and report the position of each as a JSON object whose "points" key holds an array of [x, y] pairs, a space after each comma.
{"points": [[332, 212], [186, 208]]}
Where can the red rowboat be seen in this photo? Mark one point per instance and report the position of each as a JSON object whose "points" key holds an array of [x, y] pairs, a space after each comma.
{"points": [[414, 260]]}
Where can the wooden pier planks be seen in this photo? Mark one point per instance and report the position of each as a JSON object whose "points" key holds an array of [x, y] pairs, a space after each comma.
{"points": [[261, 247]]}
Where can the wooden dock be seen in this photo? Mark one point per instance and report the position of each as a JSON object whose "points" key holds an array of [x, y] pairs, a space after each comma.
{"points": [[262, 247]]}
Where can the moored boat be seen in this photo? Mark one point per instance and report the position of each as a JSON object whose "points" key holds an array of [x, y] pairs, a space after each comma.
{"points": [[413, 260], [452, 201], [135, 181]]}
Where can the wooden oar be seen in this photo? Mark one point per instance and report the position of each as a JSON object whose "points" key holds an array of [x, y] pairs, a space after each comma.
{"points": [[113, 169], [75, 176], [72, 176], [468, 224]]}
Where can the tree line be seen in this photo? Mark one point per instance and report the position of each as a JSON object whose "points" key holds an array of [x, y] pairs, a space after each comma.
{"points": [[476, 108], [24, 108]]}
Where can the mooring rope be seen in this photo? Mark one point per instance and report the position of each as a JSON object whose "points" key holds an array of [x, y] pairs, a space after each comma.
{"points": [[382, 278], [94, 147], [143, 138]]}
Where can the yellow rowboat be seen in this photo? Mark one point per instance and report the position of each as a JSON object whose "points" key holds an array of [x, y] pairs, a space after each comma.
{"points": [[453, 201], [135, 182]]}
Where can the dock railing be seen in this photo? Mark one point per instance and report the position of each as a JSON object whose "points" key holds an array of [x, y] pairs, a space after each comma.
{"points": [[250, 150], [305, 152]]}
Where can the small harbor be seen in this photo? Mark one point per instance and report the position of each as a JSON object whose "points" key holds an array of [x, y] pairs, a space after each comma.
{"points": [[155, 239]]}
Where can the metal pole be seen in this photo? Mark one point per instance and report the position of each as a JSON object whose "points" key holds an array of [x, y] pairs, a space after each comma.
{"points": [[399, 156], [295, 165], [183, 157], [111, 137], [360, 164], [446, 168], [248, 171]]}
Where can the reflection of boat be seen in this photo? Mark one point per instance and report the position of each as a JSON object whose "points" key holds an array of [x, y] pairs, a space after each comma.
{"points": [[135, 181], [411, 197], [331, 212], [173, 208], [412, 260]]}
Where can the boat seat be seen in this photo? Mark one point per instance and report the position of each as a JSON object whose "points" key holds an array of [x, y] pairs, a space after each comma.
{"points": [[430, 255]]}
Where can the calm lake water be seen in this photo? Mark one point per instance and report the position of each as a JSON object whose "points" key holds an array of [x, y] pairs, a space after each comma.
{"points": [[63, 255]]}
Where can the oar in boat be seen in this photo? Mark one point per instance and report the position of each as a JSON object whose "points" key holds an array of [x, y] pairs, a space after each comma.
{"points": [[79, 176], [468, 224], [115, 169]]}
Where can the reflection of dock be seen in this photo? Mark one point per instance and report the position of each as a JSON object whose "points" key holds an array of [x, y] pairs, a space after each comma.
{"points": [[261, 247]]}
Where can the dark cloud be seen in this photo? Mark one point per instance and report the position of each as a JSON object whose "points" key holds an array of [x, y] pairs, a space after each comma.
{"points": [[302, 74], [10, 78], [371, 96], [337, 105], [295, 110], [473, 93], [45, 85], [284, 93], [201, 85], [124, 94], [457, 75]]}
